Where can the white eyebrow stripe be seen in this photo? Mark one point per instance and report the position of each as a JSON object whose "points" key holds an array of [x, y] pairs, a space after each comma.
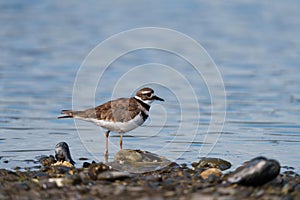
{"points": [[146, 92]]}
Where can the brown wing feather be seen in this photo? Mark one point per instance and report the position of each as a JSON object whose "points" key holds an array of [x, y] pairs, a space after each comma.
{"points": [[123, 109]]}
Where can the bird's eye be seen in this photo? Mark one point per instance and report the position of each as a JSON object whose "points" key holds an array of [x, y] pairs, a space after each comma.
{"points": [[149, 94]]}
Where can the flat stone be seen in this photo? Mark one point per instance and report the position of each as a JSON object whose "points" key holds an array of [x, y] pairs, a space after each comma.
{"points": [[138, 161], [129, 155]]}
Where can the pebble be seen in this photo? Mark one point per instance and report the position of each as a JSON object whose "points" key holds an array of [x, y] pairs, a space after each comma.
{"points": [[287, 197], [287, 188], [297, 188], [169, 194], [259, 193], [210, 171], [34, 167], [96, 168], [23, 186], [47, 160], [41, 175], [63, 163], [226, 191], [57, 181]]}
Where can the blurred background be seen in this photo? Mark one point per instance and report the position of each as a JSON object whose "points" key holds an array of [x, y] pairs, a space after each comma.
{"points": [[255, 44]]}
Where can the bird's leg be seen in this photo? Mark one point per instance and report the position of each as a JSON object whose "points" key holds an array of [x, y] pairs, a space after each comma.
{"points": [[106, 146], [121, 141]]}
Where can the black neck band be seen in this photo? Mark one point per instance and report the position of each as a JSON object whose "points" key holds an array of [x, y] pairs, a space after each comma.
{"points": [[146, 106]]}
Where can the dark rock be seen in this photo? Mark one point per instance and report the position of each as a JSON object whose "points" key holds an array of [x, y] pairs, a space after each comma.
{"points": [[195, 164], [257, 171], [86, 164], [184, 166], [62, 153], [212, 163]]}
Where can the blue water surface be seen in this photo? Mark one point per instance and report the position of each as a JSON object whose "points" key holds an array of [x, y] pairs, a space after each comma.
{"points": [[255, 45]]}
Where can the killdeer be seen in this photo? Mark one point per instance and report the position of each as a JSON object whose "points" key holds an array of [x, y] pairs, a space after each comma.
{"points": [[119, 115]]}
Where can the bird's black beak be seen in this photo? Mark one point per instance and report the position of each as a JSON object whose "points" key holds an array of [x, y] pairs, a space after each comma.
{"points": [[158, 98]]}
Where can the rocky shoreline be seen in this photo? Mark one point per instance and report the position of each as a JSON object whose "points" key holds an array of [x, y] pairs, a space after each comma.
{"points": [[136, 174]]}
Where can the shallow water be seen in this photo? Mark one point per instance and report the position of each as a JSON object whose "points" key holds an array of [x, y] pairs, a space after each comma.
{"points": [[254, 44]]}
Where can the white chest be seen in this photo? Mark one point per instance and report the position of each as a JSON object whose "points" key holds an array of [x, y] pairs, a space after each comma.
{"points": [[119, 126]]}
